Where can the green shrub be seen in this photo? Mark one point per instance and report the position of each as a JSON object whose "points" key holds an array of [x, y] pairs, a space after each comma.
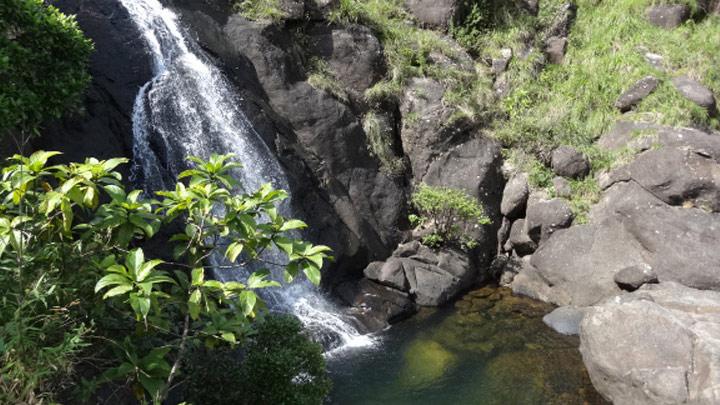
{"points": [[43, 65], [380, 143], [71, 232], [451, 213], [282, 366]]}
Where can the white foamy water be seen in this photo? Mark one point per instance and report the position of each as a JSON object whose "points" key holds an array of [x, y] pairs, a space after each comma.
{"points": [[189, 108]]}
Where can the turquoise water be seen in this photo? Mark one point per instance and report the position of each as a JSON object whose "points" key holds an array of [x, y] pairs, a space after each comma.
{"points": [[490, 348]]}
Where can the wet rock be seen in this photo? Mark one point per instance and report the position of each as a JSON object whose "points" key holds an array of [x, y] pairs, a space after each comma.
{"points": [[669, 346], [696, 92], [554, 49], [374, 305], [633, 277], [668, 15], [569, 162], [562, 187], [547, 216], [515, 196], [390, 273], [520, 240], [565, 320], [636, 93]]}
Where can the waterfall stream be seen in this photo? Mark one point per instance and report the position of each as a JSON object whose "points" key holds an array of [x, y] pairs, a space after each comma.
{"points": [[190, 108]]}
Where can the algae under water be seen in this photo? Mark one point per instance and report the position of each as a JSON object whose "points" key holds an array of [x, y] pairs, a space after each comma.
{"points": [[490, 348]]}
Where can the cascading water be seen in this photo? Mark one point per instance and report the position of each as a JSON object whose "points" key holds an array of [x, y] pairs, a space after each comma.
{"points": [[189, 108]]}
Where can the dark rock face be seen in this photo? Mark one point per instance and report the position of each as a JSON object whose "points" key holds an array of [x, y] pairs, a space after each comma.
{"points": [[515, 197], [324, 133], [546, 217], [633, 277], [104, 128], [568, 162], [668, 16], [696, 92], [437, 13], [669, 346], [636, 93], [353, 53]]}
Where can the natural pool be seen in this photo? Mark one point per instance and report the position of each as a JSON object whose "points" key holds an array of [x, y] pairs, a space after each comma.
{"points": [[491, 348]]}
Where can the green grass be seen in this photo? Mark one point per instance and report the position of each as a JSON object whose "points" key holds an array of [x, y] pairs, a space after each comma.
{"points": [[413, 52], [260, 10], [321, 77], [380, 144], [572, 104]]}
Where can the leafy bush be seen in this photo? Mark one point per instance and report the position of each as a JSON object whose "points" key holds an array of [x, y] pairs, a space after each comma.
{"points": [[43, 64], [59, 246], [451, 213], [283, 366]]}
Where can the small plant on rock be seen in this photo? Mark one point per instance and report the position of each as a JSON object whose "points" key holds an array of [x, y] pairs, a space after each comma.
{"points": [[451, 214]]}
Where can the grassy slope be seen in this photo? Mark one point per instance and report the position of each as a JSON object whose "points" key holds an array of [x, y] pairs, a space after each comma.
{"points": [[568, 104]]}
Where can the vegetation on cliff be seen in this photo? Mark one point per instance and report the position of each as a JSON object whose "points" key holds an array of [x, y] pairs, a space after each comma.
{"points": [[43, 65]]}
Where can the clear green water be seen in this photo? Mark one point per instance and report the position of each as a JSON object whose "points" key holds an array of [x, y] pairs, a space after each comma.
{"points": [[491, 348]]}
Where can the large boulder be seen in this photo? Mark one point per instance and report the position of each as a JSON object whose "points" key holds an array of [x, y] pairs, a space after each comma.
{"points": [[544, 217], [570, 162], [636, 93], [437, 13], [374, 305], [431, 277], [515, 196], [668, 15], [629, 227], [696, 92], [658, 345]]}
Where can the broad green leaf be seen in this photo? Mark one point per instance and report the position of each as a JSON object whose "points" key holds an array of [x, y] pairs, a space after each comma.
{"points": [[111, 279], [247, 300], [141, 305], [228, 337], [312, 272], [147, 268], [293, 224], [121, 289], [115, 192], [198, 276], [233, 251], [134, 260]]}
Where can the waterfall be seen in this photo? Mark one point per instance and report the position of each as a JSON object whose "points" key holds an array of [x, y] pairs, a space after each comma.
{"points": [[190, 108]]}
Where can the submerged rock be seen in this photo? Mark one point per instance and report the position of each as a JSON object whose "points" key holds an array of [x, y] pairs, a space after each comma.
{"points": [[565, 320]]}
